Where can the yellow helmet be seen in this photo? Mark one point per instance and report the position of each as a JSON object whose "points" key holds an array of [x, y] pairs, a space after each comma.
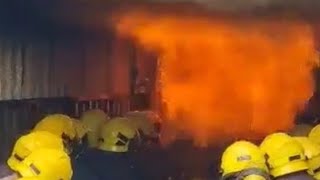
{"points": [[30, 142], [300, 130], [46, 164], [93, 120], [116, 135], [58, 124], [284, 154], [312, 152], [314, 134], [242, 156], [80, 128], [144, 121]]}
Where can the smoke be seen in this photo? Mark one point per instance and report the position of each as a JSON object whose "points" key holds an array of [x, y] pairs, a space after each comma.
{"points": [[236, 5], [233, 5], [304, 9], [222, 78]]}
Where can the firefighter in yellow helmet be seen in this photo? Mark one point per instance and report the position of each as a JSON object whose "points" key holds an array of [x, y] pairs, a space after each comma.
{"points": [[111, 154], [60, 125], [147, 123], [285, 157], [30, 142], [94, 120], [300, 130], [42, 164], [314, 134], [115, 135], [244, 160], [312, 152], [49, 164]]}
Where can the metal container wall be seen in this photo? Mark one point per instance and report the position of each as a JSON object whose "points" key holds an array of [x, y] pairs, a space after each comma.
{"points": [[27, 70], [11, 69], [45, 68]]}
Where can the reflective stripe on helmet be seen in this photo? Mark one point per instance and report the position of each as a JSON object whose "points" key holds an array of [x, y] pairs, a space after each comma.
{"points": [[244, 158], [35, 169], [122, 137], [296, 157], [123, 140], [291, 158], [316, 170], [19, 158]]}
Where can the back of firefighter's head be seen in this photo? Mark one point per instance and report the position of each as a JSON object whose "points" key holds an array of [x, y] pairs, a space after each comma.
{"points": [[312, 152], [46, 164], [93, 120], [284, 154], [116, 135], [243, 159], [30, 142], [60, 125]]}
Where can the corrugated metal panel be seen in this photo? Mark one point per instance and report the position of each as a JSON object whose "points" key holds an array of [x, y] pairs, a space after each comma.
{"points": [[10, 69], [122, 55], [97, 68], [41, 68], [31, 69], [25, 70], [35, 75], [69, 65]]}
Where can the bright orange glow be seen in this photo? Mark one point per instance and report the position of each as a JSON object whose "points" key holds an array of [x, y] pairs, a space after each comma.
{"points": [[223, 78]]}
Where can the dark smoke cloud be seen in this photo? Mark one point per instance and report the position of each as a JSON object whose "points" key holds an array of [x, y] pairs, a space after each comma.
{"points": [[235, 5], [309, 9], [253, 4], [94, 13]]}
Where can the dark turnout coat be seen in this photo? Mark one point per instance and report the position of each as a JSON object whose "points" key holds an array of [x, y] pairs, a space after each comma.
{"points": [[101, 165], [296, 176]]}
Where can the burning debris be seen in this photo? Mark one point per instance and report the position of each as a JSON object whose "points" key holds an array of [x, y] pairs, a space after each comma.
{"points": [[223, 78]]}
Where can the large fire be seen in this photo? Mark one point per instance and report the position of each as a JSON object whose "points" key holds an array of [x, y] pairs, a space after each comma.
{"points": [[223, 78]]}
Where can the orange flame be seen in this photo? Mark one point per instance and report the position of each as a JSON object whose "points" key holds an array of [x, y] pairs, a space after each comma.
{"points": [[222, 78]]}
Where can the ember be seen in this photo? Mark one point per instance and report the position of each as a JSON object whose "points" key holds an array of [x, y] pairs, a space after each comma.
{"points": [[223, 78]]}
